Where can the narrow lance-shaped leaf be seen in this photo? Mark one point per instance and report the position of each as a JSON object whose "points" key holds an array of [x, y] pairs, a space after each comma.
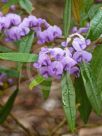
{"points": [[96, 66], [67, 16], [9, 72], [25, 45], [4, 112], [68, 99], [95, 26], [85, 6], [83, 103], [19, 57], [5, 49], [91, 87]]}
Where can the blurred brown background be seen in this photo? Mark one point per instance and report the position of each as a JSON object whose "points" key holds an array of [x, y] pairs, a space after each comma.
{"points": [[43, 117]]}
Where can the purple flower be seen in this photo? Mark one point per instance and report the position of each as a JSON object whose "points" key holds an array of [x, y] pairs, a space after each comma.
{"points": [[4, 1], [57, 32], [80, 30], [68, 52], [14, 19], [48, 35], [88, 42], [44, 71], [79, 44], [43, 60], [64, 44], [23, 30], [4, 23], [75, 71], [1, 14], [44, 50], [80, 56], [33, 21], [83, 30], [45, 36], [13, 33], [68, 63], [25, 22], [57, 53], [56, 69], [74, 30], [13, 7]]}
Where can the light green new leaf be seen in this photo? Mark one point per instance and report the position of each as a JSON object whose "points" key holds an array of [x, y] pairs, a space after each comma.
{"points": [[36, 81], [68, 99], [26, 5], [46, 87], [67, 16], [95, 26], [19, 57], [4, 112], [92, 91]]}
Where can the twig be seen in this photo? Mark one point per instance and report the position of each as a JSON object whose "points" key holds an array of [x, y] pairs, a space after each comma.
{"points": [[21, 125], [6, 126], [26, 130], [90, 126], [58, 127], [98, 41]]}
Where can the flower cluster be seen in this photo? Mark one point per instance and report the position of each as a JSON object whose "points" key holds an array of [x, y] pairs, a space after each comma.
{"points": [[52, 62], [15, 28]]}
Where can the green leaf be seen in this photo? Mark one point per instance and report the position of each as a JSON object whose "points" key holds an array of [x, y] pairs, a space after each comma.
{"points": [[80, 11], [4, 49], [25, 43], [84, 107], [46, 87], [26, 5], [67, 16], [96, 66], [9, 72], [36, 81], [91, 87], [86, 5], [19, 57], [4, 112], [95, 26], [68, 99], [93, 10]]}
